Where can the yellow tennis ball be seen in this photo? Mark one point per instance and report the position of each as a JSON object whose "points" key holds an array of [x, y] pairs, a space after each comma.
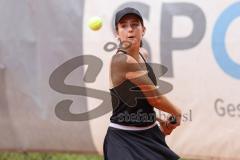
{"points": [[95, 23]]}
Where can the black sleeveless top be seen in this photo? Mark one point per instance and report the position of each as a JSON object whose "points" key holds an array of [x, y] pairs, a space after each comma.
{"points": [[130, 106]]}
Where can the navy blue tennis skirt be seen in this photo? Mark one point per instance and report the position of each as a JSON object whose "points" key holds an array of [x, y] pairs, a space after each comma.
{"points": [[147, 144]]}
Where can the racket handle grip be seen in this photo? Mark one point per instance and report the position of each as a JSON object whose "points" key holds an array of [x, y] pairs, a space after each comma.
{"points": [[172, 119]]}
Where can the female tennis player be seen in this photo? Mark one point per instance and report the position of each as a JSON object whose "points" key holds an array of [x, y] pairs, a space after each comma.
{"points": [[133, 133]]}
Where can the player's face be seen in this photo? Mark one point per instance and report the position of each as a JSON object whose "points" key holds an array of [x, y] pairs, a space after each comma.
{"points": [[131, 30]]}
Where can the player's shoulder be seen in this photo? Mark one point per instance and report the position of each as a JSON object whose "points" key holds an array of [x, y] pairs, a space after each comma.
{"points": [[121, 58]]}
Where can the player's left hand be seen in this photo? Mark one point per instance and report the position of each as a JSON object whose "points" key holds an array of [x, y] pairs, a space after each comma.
{"points": [[166, 127]]}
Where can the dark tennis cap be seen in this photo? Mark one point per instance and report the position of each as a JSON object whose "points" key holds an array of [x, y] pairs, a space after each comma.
{"points": [[121, 13]]}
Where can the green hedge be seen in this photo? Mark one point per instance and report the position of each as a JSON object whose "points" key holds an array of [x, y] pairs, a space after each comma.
{"points": [[47, 156]]}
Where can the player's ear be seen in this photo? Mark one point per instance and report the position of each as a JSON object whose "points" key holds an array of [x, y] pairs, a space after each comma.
{"points": [[144, 30], [117, 37], [117, 34]]}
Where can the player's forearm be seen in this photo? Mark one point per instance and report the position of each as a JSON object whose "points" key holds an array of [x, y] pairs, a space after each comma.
{"points": [[159, 101], [163, 104]]}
